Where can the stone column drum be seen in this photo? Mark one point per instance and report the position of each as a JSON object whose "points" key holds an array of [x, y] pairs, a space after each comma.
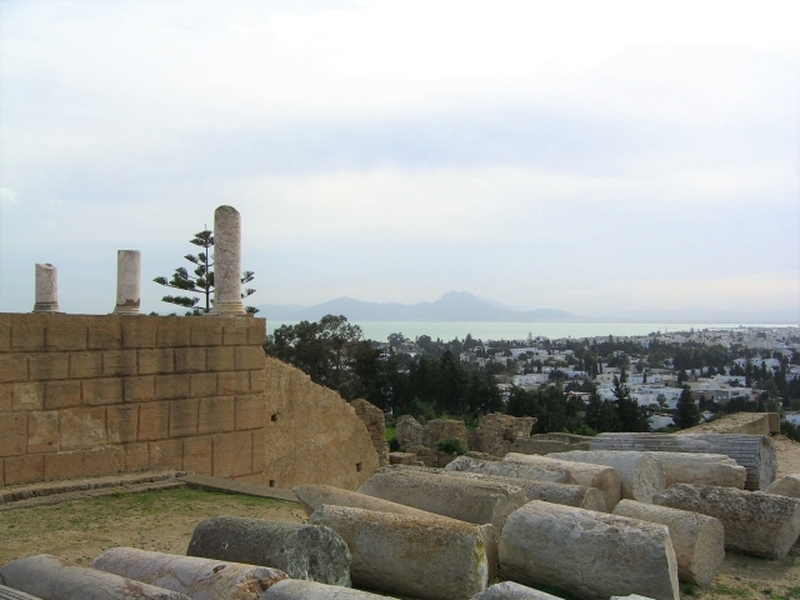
{"points": [[228, 262], [46, 289], [129, 270]]}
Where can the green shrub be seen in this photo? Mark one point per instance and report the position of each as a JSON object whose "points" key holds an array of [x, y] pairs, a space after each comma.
{"points": [[391, 437], [450, 446]]}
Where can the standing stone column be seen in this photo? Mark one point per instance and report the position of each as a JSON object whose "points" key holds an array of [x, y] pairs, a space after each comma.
{"points": [[227, 262], [129, 269], [46, 289]]}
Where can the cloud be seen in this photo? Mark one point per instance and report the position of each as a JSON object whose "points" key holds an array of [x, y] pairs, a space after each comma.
{"points": [[8, 196]]}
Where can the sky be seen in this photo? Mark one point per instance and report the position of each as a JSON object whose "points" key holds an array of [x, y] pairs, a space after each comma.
{"points": [[583, 156]]}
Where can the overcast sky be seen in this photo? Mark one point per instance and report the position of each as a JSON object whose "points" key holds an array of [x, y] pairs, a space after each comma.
{"points": [[585, 156]]}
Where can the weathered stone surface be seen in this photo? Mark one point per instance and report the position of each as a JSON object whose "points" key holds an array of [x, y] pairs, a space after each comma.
{"points": [[587, 554], [641, 473], [129, 270], [441, 429], [545, 443], [228, 262], [375, 422], [312, 435], [700, 468], [313, 497], [496, 432], [698, 540], [756, 453], [510, 590], [568, 494], [517, 470], [465, 499], [303, 551], [298, 589], [431, 559], [199, 578], [789, 485], [52, 578], [402, 458], [7, 593], [409, 432], [755, 522], [604, 478]]}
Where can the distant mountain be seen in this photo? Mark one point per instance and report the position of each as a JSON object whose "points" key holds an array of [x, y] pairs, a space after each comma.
{"points": [[453, 307]]}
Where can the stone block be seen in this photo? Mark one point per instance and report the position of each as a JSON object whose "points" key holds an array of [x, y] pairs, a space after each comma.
{"points": [[198, 578], [63, 465], [250, 412], [157, 361], [5, 334], [27, 396], [755, 523], [63, 338], [103, 461], [402, 458], [105, 335], [24, 469], [249, 358], [788, 485], [430, 559], [518, 470], [165, 454], [203, 385], [183, 415], [509, 590], [136, 457], [48, 365], [139, 332], [172, 386], [118, 363], [123, 424], [233, 454], [28, 336], [259, 452], [257, 331], [190, 360], [85, 364], [587, 554], [53, 578], [13, 367], [98, 392], [219, 359], [235, 333], [206, 332], [231, 384], [81, 427], [62, 394], [13, 433], [153, 421], [139, 389], [173, 332], [216, 414], [5, 397], [258, 381], [42, 431], [310, 552], [198, 455]]}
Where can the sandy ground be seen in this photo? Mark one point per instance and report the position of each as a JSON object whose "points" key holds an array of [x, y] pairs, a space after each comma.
{"points": [[164, 521]]}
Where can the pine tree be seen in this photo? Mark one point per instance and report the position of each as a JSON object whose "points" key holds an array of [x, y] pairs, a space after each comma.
{"points": [[632, 417], [687, 414]]}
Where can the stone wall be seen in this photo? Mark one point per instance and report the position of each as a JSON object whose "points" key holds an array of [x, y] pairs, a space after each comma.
{"points": [[87, 396]]}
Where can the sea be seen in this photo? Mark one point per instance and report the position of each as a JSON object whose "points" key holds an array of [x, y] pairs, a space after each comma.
{"points": [[446, 331]]}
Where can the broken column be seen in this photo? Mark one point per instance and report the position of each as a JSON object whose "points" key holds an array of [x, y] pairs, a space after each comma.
{"points": [[431, 559], [517, 470], [755, 522], [46, 289], [129, 269], [53, 578], [587, 554], [698, 540], [604, 478], [300, 589], [641, 473], [304, 551], [190, 575], [228, 262]]}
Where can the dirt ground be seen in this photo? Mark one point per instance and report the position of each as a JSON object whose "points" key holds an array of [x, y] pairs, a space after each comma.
{"points": [[164, 521]]}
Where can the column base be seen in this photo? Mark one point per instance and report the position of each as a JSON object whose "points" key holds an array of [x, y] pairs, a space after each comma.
{"points": [[228, 309]]}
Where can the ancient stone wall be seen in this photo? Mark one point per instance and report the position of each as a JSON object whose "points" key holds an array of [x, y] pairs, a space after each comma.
{"points": [[87, 396]]}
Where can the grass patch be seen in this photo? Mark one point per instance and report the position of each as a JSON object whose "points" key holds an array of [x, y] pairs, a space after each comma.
{"points": [[733, 592]]}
